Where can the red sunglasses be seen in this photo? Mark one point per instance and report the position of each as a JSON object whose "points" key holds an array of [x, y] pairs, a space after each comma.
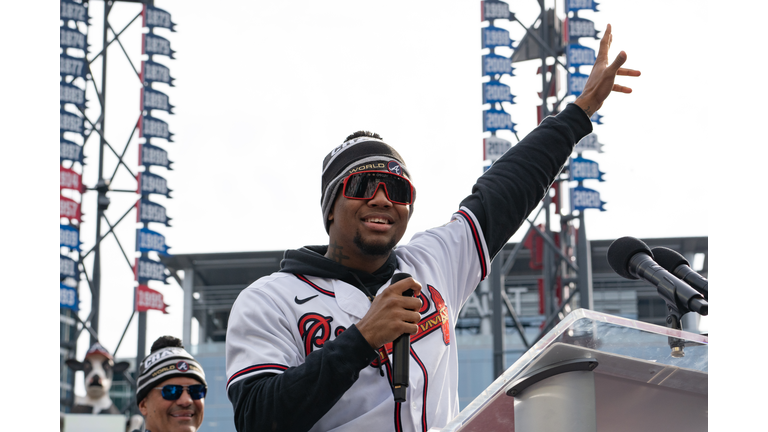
{"points": [[363, 185]]}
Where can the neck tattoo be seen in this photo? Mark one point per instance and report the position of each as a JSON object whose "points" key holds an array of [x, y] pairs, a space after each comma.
{"points": [[334, 253]]}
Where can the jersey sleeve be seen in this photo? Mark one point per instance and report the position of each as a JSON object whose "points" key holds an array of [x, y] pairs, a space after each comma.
{"points": [[454, 254], [515, 184], [259, 337]]}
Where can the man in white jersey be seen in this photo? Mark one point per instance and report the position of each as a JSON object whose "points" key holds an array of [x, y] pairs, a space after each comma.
{"points": [[309, 347]]}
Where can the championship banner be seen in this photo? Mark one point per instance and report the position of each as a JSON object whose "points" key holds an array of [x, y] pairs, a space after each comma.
{"points": [[577, 5], [495, 91], [70, 151], [584, 169], [155, 100], [147, 298], [494, 148], [493, 37], [156, 17], [150, 127], [69, 209], [72, 94], [71, 11], [577, 28], [579, 55], [69, 122], [147, 211], [153, 155], [155, 72], [583, 198], [576, 83], [68, 268], [68, 179], [495, 64], [72, 66], [589, 143], [146, 269], [494, 120], [153, 44], [490, 10], [68, 297], [150, 241], [72, 38], [152, 184], [69, 237]]}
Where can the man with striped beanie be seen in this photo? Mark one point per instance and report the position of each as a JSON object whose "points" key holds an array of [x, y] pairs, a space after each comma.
{"points": [[312, 347], [171, 388]]}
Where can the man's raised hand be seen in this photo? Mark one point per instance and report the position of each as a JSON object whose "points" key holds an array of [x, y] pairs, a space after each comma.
{"points": [[600, 83]]}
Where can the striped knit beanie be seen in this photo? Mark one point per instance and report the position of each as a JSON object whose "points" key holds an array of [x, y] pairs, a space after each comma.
{"points": [[362, 151], [165, 363]]}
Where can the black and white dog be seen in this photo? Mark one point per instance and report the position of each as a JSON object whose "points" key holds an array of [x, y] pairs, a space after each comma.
{"points": [[98, 368]]}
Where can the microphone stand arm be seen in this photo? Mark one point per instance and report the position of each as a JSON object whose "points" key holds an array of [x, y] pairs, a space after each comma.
{"points": [[674, 322]]}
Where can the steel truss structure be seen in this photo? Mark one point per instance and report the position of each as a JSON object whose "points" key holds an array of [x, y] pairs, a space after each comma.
{"points": [[566, 281], [105, 185]]}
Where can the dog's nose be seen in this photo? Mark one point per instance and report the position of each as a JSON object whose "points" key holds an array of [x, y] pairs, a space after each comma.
{"points": [[95, 381]]}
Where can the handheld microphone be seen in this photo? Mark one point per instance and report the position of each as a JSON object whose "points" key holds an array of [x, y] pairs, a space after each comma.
{"points": [[632, 259], [676, 264], [401, 348]]}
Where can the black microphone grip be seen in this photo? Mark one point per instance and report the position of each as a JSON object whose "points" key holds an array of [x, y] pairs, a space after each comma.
{"points": [[401, 348], [668, 285]]}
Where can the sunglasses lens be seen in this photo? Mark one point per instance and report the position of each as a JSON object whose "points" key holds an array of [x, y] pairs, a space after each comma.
{"points": [[172, 392], [365, 184], [197, 391]]}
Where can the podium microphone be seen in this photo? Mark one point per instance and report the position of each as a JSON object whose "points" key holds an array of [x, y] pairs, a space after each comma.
{"points": [[632, 259], [401, 348], [676, 264]]}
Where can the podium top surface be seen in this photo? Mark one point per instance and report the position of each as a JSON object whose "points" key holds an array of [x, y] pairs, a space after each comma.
{"points": [[624, 348]]}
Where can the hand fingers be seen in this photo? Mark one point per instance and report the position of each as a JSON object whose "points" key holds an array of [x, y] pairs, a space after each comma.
{"points": [[628, 72], [616, 65], [621, 89], [605, 44], [406, 284]]}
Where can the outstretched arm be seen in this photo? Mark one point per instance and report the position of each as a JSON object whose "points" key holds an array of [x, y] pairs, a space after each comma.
{"points": [[512, 188], [601, 81]]}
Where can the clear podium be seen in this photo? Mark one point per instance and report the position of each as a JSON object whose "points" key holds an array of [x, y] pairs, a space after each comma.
{"points": [[596, 373]]}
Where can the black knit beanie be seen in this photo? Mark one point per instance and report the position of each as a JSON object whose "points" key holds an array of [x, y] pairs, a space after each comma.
{"points": [[168, 359], [362, 151]]}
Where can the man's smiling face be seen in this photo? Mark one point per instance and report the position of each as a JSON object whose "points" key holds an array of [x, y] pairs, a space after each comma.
{"points": [[182, 415], [366, 228]]}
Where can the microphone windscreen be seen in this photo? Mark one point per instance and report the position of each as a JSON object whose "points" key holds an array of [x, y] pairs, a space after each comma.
{"points": [[399, 276], [668, 259], [621, 251]]}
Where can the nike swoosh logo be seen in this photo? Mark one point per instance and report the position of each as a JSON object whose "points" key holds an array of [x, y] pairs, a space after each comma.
{"points": [[302, 301]]}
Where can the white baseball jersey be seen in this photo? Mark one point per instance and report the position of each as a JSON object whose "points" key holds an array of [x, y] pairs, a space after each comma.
{"points": [[279, 319]]}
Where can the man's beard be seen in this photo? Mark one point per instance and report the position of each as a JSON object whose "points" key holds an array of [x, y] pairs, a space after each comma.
{"points": [[374, 249]]}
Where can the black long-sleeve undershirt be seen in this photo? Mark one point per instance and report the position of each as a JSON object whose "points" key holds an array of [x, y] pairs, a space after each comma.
{"points": [[501, 200], [296, 399]]}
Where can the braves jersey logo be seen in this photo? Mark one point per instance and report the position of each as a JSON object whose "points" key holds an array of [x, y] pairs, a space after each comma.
{"points": [[442, 313], [437, 320], [315, 330]]}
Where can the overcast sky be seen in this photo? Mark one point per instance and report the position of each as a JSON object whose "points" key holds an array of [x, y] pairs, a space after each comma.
{"points": [[263, 90]]}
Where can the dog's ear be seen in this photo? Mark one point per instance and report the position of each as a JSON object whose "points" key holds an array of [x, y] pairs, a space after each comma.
{"points": [[121, 367], [74, 364]]}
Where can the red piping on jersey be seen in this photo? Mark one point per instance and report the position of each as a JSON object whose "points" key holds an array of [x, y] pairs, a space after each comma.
{"points": [[424, 396], [478, 243], [326, 292], [256, 368]]}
